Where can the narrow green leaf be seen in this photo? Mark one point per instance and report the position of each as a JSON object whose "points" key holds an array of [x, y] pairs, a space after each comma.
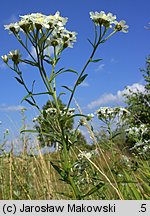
{"points": [[65, 71], [44, 114], [90, 42], [49, 62], [96, 60], [81, 79], [60, 70], [30, 62], [60, 171], [75, 115], [29, 131], [36, 94], [71, 70], [31, 103], [57, 60], [41, 93], [33, 85], [27, 96], [19, 80], [94, 189], [60, 94], [64, 194], [116, 135], [66, 87]]}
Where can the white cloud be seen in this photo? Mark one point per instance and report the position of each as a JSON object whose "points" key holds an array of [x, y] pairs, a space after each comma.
{"points": [[48, 51], [11, 108], [100, 67], [84, 84], [33, 51], [113, 60], [104, 99], [118, 97]]}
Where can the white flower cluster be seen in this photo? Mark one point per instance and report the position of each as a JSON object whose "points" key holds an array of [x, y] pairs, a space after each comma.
{"points": [[103, 19], [82, 163], [137, 131], [14, 55], [108, 113], [140, 137], [53, 25], [88, 155], [125, 160], [69, 112], [53, 111], [32, 21]]}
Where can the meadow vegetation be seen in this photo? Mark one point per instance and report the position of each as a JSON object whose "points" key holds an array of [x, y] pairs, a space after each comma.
{"points": [[117, 163]]}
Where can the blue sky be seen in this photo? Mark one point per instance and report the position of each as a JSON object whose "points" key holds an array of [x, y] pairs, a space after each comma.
{"points": [[122, 55]]}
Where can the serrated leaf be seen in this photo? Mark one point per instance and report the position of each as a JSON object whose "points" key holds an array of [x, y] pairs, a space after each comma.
{"points": [[96, 60], [66, 87], [81, 79]]}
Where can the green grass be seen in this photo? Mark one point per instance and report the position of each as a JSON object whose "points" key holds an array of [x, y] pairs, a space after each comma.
{"points": [[115, 175]]}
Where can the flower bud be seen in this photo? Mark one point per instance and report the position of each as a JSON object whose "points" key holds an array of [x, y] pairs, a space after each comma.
{"points": [[5, 58]]}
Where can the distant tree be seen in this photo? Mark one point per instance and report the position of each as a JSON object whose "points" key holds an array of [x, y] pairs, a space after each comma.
{"points": [[46, 123], [138, 105]]}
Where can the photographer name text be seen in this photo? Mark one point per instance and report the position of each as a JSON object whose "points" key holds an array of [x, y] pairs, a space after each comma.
{"points": [[69, 207]]}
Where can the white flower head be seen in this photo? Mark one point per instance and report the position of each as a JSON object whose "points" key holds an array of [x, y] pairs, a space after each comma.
{"points": [[51, 111], [121, 26], [85, 154], [35, 119], [57, 19], [12, 27], [15, 56], [5, 58], [68, 38], [89, 116], [102, 18], [37, 20]]}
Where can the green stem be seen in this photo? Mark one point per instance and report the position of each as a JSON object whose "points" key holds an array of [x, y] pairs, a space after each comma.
{"points": [[83, 70], [67, 170]]}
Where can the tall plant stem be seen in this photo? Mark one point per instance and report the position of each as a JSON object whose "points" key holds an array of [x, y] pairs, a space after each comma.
{"points": [[82, 72], [67, 166]]}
